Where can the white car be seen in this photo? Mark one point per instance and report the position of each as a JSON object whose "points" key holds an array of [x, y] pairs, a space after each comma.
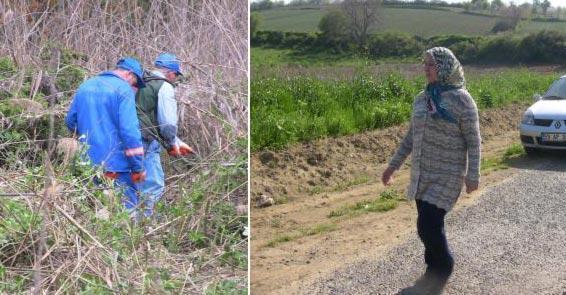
{"points": [[544, 123]]}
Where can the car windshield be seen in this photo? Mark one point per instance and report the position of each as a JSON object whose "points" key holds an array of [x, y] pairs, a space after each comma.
{"points": [[557, 90]]}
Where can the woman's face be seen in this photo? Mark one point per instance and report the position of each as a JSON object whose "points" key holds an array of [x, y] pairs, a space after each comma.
{"points": [[430, 69]]}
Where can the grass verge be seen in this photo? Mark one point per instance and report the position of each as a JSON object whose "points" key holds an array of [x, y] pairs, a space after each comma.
{"points": [[501, 162]]}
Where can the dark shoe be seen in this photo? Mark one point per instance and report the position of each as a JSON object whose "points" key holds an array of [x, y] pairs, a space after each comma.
{"points": [[437, 285], [420, 287], [410, 291], [428, 284]]}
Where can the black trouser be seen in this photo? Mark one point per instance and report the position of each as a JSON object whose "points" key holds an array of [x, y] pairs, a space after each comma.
{"points": [[430, 225]]}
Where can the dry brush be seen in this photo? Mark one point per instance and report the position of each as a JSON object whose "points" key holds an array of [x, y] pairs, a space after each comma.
{"points": [[60, 233]]}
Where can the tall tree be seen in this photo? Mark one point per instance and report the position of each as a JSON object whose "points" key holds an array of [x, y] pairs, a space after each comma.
{"points": [[361, 15], [513, 14], [333, 26], [255, 21], [545, 5], [480, 4], [536, 5], [526, 10], [262, 5], [496, 6]]}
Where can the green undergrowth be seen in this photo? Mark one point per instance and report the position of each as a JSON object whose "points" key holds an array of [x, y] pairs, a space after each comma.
{"points": [[67, 75], [22, 136], [24, 123], [196, 229], [226, 287]]}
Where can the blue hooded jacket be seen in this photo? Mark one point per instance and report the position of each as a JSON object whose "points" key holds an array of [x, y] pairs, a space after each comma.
{"points": [[103, 114]]}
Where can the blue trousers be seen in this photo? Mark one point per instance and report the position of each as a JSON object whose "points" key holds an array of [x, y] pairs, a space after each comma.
{"points": [[131, 190], [154, 185], [430, 226]]}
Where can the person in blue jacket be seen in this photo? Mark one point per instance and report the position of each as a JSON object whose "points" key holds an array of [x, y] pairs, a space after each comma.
{"points": [[157, 112], [103, 116]]}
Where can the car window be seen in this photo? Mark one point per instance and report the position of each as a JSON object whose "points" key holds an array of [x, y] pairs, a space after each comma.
{"points": [[556, 90]]}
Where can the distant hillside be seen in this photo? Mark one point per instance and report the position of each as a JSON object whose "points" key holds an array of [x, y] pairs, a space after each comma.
{"points": [[421, 22]]}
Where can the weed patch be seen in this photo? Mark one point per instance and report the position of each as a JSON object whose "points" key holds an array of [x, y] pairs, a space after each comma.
{"points": [[501, 162], [303, 232], [387, 200], [301, 109], [350, 183]]}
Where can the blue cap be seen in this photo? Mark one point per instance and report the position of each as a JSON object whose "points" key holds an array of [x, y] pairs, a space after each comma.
{"points": [[133, 65], [169, 61]]}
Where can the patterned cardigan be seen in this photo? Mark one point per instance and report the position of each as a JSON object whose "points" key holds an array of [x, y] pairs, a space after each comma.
{"points": [[443, 153]]}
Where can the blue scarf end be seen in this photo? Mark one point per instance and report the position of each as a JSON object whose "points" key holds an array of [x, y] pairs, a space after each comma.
{"points": [[434, 90]]}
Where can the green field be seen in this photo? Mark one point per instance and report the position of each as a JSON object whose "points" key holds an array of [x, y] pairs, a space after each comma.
{"points": [[420, 22], [531, 27]]}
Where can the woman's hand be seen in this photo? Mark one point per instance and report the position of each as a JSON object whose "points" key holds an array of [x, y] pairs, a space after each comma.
{"points": [[386, 177], [471, 185]]}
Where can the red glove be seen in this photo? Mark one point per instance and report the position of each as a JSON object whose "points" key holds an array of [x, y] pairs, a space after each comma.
{"points": [[137, 176], [111, 175], [179, 150]]}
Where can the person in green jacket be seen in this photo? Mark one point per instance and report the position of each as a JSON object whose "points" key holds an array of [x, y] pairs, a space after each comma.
{"points": [[157, 113]]}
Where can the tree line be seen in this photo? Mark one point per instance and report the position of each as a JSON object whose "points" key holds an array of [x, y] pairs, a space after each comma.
{"points": [[535, 7], [542, 47]]}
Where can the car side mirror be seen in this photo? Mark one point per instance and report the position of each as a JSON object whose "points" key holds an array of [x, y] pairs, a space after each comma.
{"points": [[537, 97]]}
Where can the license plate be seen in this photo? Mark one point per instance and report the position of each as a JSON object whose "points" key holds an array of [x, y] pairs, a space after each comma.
{"points": [[554, 136]]}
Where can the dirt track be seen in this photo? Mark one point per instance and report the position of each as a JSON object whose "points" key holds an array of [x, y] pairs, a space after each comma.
{"points": [[311, 180]]}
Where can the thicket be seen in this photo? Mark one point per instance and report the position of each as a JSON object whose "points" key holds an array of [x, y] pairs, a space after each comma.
{"points": [[61, 233], [540, 47]]}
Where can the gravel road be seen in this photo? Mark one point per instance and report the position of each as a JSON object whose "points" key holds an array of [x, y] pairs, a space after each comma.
{"points": [[512, 241]]}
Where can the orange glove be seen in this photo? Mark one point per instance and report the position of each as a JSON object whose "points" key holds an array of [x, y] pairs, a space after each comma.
{"points": [[137, 176], [179, 150], [185, 149], [111, 175]]}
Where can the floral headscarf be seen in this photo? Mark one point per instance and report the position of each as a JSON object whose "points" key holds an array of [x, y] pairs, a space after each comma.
{"points": [[450, 76], [448, 67]]}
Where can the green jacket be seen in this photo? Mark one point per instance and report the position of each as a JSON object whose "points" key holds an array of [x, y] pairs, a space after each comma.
{"points": [[146, 105]]}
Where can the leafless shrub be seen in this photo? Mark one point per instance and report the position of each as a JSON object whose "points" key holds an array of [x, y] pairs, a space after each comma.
{"points": [[210, 37], [361, 15], [61, 225]]}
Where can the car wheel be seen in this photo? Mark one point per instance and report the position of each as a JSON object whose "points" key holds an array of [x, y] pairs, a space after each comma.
{"points": [[531, 151]]}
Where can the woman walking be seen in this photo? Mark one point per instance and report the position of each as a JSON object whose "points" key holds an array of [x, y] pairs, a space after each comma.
{"points": [[444, 140]]}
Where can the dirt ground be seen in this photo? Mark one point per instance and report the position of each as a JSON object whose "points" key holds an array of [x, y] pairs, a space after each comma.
{"points": [[308, 181]]}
